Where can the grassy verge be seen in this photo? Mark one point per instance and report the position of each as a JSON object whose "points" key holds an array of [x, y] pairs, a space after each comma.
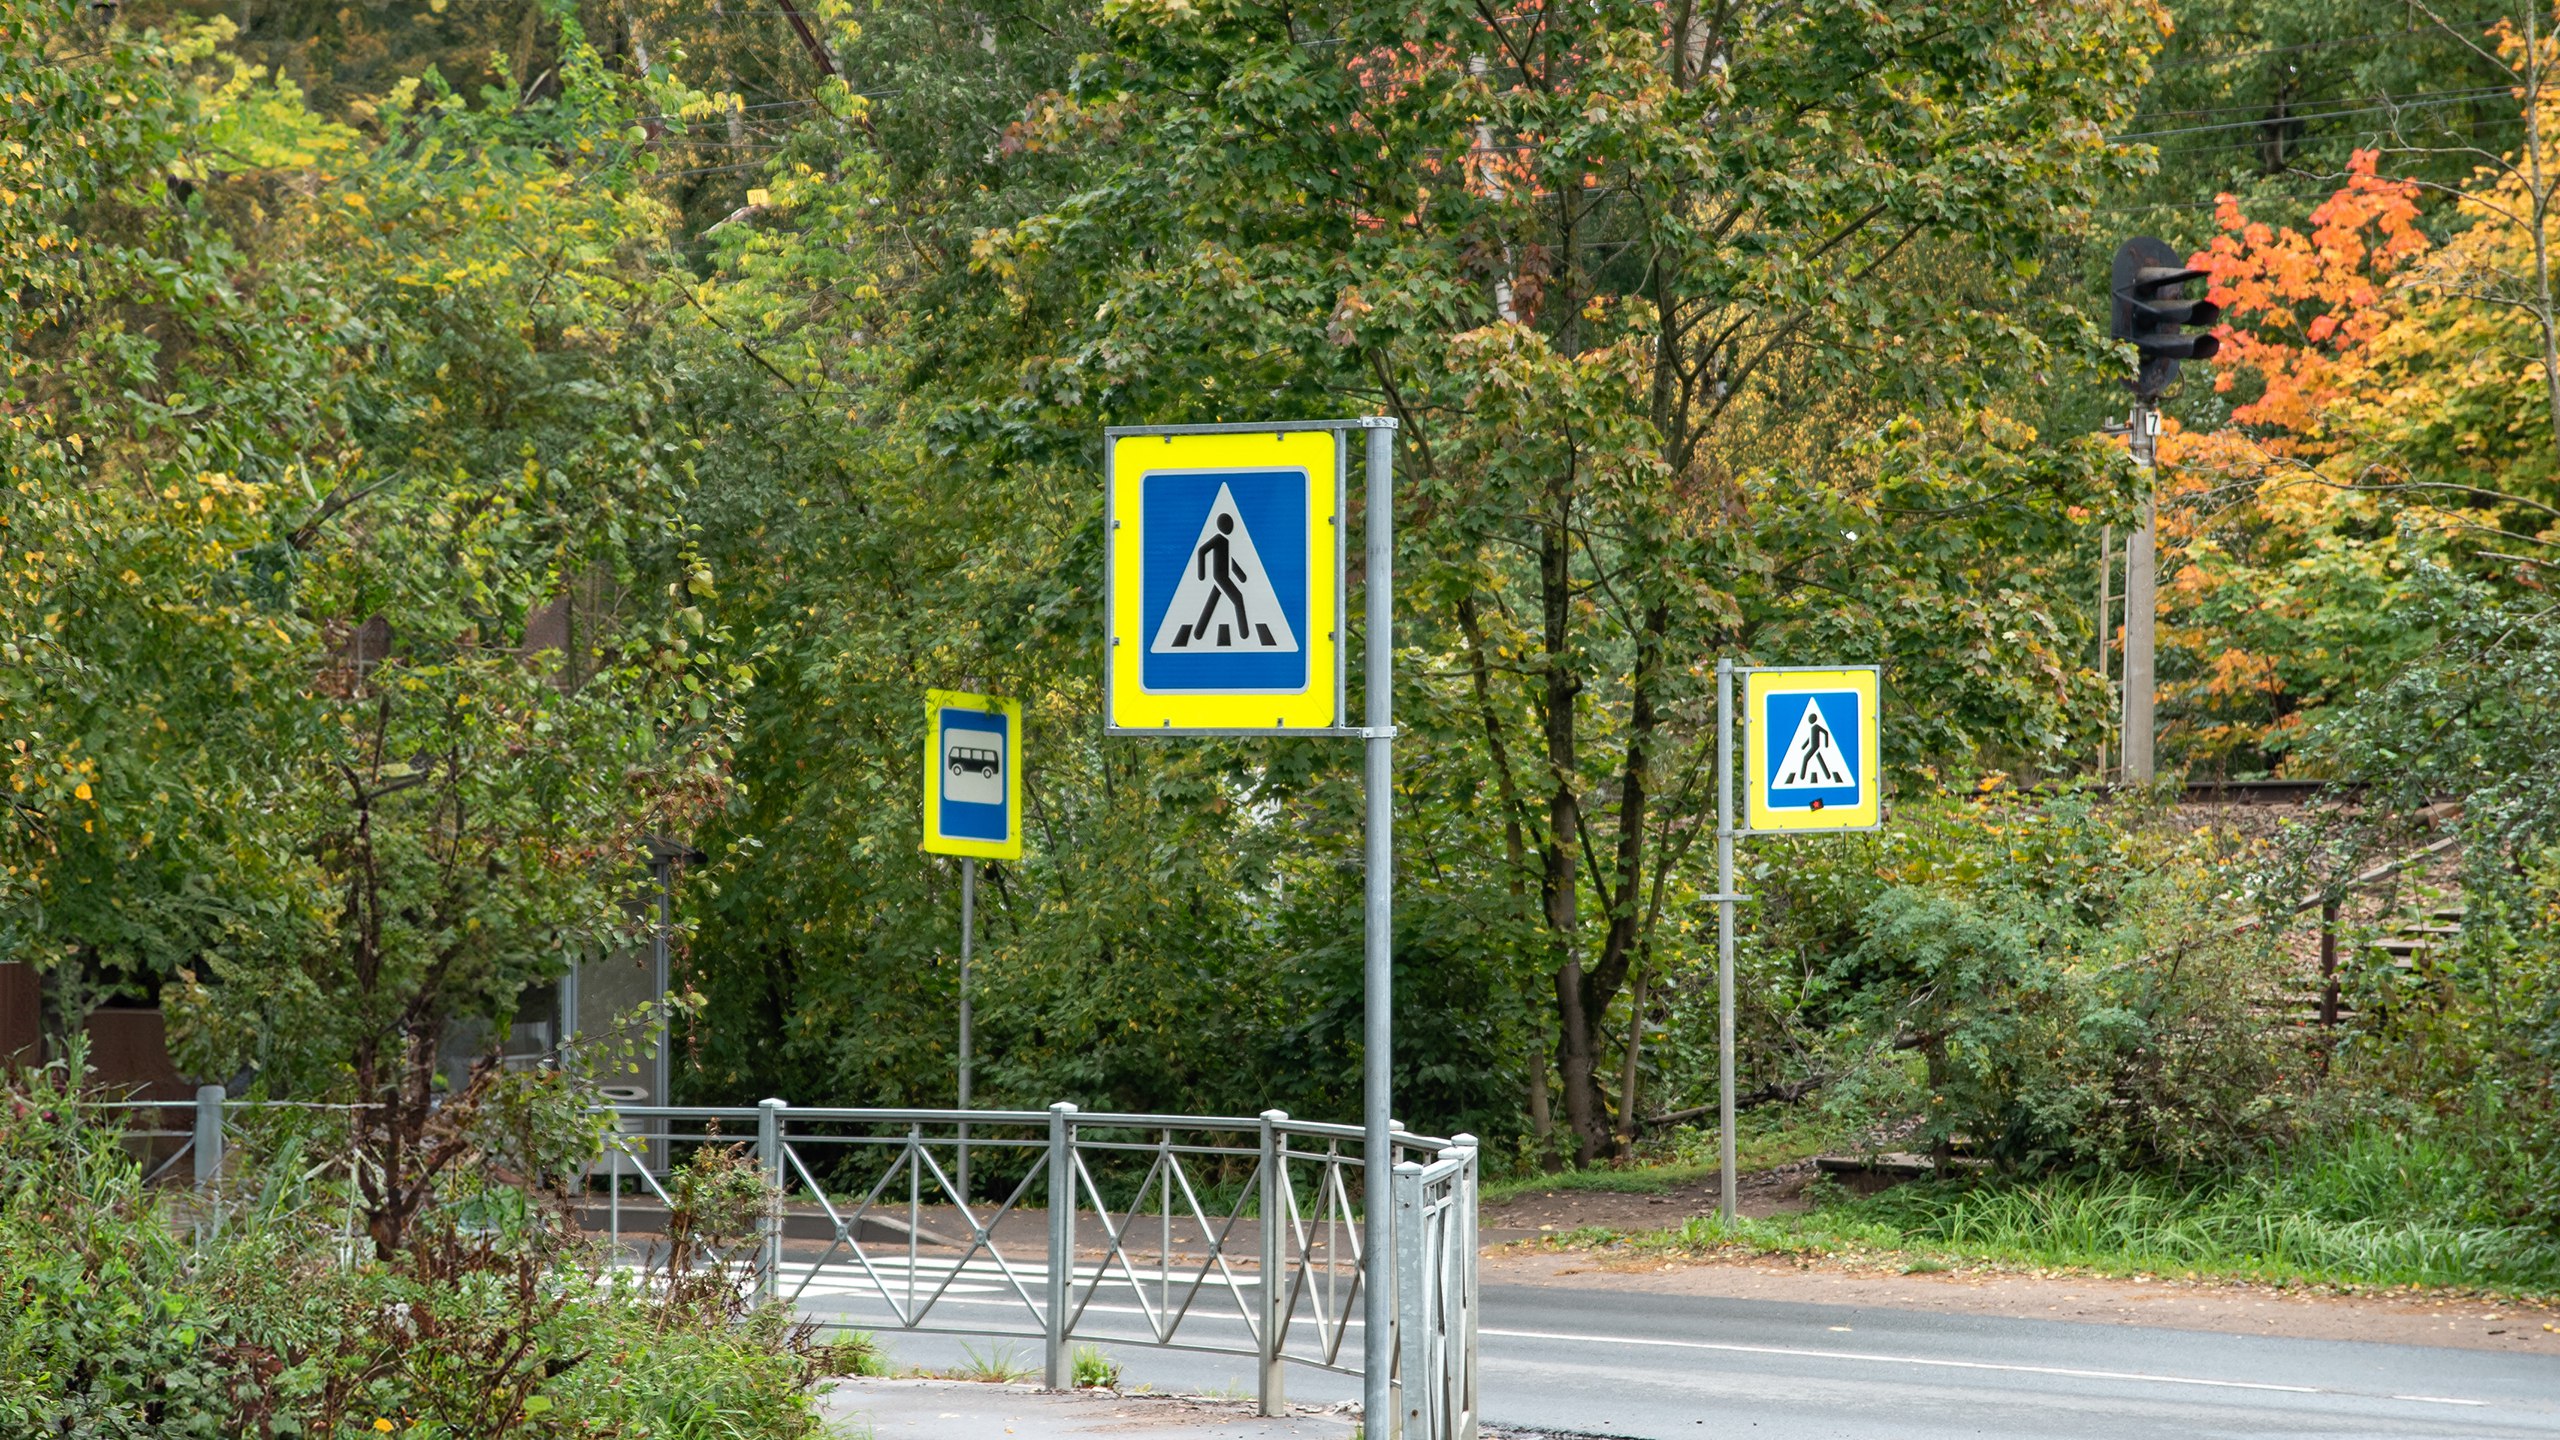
{"points": [[2373, 1211]]}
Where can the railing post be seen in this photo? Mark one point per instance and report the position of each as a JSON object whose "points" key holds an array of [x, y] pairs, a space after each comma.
{"points": [[1062, 1242], [769, 1225], [1413, 1323], [209, 1100], [1462, 1256], [1274, 1201]]}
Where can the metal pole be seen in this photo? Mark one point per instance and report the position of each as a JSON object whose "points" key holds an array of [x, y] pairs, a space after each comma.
{"points": [[1724, 938], [663, 1149], [1413, 1319], [1271, 1387], [209, 1100], [2141, 549], [769, 1223], [1062, 1244], [1377, 1028], [1467, 1294], [968, 916]]}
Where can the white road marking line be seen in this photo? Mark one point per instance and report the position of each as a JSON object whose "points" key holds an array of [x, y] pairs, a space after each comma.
{"points": [[2438, 1400], [1914, 1360]]}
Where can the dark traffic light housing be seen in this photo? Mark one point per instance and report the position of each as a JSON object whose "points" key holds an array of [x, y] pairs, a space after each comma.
{"points": [[2150, 308]]}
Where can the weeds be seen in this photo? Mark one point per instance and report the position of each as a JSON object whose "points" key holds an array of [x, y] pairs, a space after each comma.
{"points": [[997, 1365], [1096, 1370], [2369, 1209]]}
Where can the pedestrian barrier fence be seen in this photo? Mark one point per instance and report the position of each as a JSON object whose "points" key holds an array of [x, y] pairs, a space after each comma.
{"points": [[1225, 1235]]}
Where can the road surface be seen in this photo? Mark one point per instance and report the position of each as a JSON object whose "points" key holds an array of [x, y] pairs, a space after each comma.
{"points": [[1577, 1361]]}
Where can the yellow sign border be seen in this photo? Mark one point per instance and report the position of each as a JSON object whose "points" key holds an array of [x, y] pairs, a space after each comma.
{"points": [[937, 843], [1129, 706], [1758, 685]]}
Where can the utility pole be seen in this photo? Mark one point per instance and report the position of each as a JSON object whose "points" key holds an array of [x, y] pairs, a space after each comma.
{"points": [[2149, 308], [2141, 601]]}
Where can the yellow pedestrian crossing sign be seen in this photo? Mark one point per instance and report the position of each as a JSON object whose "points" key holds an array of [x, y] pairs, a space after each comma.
{"points": [[1811, 749], [1223, 581]]}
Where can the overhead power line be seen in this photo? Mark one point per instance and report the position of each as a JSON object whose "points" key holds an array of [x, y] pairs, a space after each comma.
{"points": [[2388, 103]]}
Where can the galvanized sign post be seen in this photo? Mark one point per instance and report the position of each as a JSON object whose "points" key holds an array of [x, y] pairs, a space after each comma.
{"points": [[972, 809], [1811, 765], [1224, 605]]}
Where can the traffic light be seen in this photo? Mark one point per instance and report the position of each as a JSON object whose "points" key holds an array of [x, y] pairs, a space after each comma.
{"points": [[2149, 289]]}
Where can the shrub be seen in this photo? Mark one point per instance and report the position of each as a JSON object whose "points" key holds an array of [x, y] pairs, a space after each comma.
{"points": [[2053, 989], [270, 1318]]}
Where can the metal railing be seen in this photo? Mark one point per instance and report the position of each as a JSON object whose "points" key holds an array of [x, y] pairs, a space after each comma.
{"points": [[1218, 1234], [1224, 1235]]}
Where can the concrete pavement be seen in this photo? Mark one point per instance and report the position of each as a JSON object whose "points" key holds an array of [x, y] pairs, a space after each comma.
{"points": [[961, 1410]]}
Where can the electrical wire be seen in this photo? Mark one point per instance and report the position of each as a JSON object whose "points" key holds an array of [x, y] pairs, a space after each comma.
{"points": [[2421, 101]]}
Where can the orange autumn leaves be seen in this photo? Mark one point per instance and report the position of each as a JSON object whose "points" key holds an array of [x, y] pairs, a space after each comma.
{"points": [[2302, 307], [2278, 582]]}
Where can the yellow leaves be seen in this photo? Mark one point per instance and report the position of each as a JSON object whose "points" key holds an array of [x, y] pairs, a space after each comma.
{"points": [[356, 202], [81, 790]]}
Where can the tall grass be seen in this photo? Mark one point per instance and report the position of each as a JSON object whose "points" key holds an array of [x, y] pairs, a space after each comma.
{"points": [[2372, 1209]]}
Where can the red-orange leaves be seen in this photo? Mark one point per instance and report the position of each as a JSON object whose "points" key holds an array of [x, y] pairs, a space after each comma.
{"points": [[2300, 308]]}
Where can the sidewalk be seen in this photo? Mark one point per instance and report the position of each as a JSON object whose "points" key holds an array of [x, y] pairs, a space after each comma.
{"points": [[967, 1410]]}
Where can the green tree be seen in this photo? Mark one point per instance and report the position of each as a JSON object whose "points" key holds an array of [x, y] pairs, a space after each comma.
{"points": [[1655, 293], [355, 629]]}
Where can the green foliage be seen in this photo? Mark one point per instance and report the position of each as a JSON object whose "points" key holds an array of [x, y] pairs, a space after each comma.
{"points": [[995, 1365], [2368, 1207], [2034, 978], [447, 447], [117, 1317], [2468, 1047], [355, 634], [1094, 1369]]}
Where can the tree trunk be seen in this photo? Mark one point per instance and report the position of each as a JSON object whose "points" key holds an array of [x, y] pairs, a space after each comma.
{"points": [[1542, 1120], [1628, 1077], [1585, 1107]]}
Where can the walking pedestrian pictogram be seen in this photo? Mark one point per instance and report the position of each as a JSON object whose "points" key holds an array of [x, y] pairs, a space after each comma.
{"points": [[1812, 757], [1225, 601], [1225, 568], [1812, 749]]}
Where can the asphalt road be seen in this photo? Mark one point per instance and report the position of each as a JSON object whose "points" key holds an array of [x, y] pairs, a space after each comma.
{"points": [[1667, 1367]]}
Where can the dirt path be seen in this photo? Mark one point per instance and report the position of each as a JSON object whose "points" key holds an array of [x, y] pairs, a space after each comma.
{"points": [[2421, 1318], [1537, 1213]]}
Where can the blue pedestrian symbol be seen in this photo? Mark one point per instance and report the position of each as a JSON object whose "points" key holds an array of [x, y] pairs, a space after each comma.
{"points": [[1813, 745], [1225, 567]]}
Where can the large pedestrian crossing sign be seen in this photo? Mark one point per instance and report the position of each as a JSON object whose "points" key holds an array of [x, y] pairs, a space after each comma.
{"points": [[972, 775], [1810, 749], [1224, 581]]}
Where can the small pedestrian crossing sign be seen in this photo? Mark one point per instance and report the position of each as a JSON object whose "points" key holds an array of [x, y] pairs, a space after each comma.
{"points": [[972, 775], [1811, 749], [1224, 581]]}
